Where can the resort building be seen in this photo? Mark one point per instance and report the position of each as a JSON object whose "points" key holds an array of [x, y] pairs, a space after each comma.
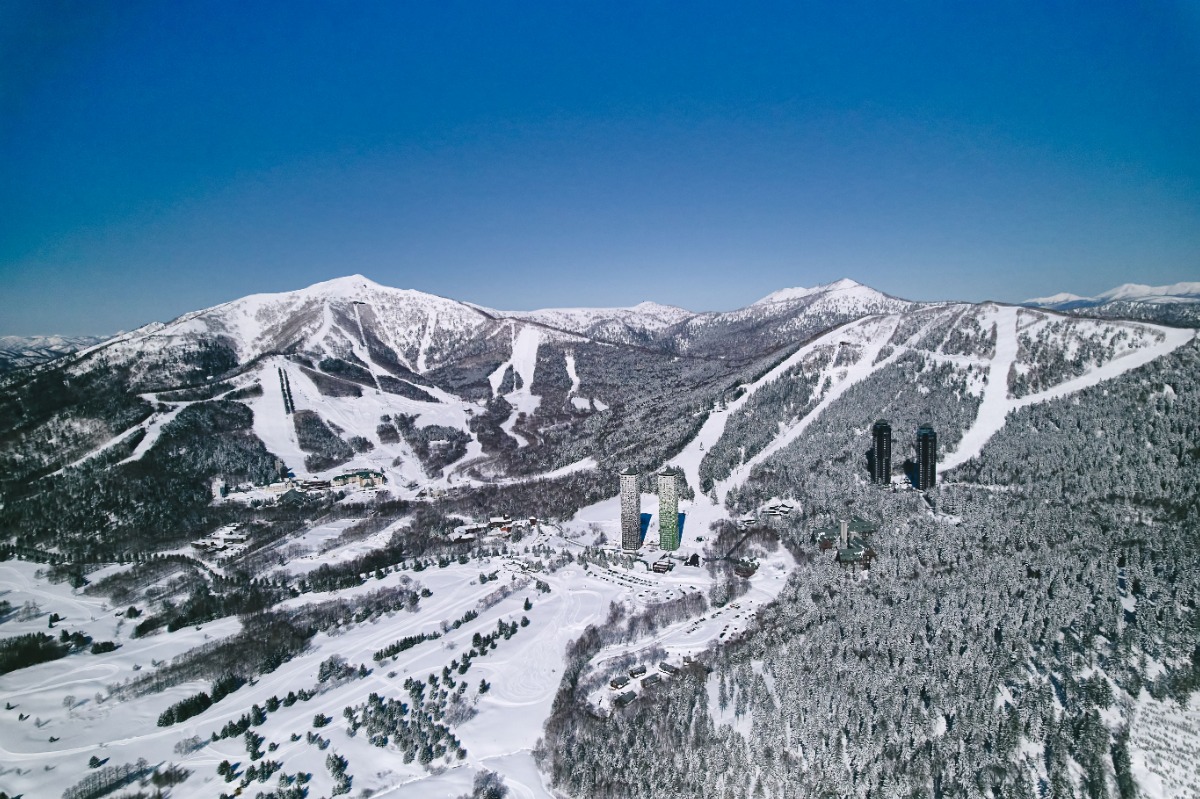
{"points": [[631, 510], [668, 509], [926, 457], [881, 452]]}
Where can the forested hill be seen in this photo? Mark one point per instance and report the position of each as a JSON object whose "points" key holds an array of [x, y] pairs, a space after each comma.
{"points": [[1020, 642]]}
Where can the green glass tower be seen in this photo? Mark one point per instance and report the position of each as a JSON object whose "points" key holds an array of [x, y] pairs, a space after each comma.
{"points": [[668, 509]]}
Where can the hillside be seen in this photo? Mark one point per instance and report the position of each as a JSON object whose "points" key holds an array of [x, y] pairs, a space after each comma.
{"points": [[1030, 625]]}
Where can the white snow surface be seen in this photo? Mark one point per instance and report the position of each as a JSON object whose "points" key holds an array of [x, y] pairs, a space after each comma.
{"points": [[524, 671], [523, 363]]}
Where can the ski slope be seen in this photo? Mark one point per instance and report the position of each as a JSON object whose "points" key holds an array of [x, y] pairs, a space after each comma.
{"points": [[998, 404], [524, 671]]}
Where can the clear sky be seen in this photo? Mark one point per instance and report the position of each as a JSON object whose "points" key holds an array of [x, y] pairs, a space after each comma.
{"points": [[158, 157]]}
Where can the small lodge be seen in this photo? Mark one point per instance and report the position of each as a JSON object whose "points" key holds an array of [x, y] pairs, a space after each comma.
{"points": [[221, 540], [467, 533], [779, 509], [637, 671], [363, 478], [624, 699], [500, 523], [651, 679], [662, 565], [667, 668], [618, 682]]}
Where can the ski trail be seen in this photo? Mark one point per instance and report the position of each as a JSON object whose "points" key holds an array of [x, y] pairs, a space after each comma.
{"points": [[426, 342], [994, 408], [105, 447], [993, 412], [689, 459], [571, 373], [326, 325], [153, 431], [365, 353], [873, 336], [524, 363], [496, 378]]}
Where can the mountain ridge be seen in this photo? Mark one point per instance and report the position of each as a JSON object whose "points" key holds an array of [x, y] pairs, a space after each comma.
{"points": [[1126, 292]]}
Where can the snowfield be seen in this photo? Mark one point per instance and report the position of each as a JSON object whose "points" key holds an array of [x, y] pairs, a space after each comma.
{"points": [[524, 672]]}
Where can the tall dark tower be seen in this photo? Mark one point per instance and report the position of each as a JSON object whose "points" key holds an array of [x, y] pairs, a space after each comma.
{"points": [[881, 452], [926, 457], [631, 510]]}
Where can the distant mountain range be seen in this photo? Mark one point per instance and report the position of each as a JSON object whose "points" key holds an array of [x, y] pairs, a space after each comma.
{"points": [[19, 351], [1177, 304], [647, 323]]}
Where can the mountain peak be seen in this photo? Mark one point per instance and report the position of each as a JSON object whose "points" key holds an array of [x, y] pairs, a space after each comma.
{"points": [[345, 286], [799, 292]]}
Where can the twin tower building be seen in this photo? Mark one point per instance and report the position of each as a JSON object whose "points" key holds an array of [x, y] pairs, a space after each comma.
{"points": [[668, 509], [924, 474]]}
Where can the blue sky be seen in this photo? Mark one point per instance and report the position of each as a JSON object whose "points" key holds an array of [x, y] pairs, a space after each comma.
{"points": [[161, 157]]}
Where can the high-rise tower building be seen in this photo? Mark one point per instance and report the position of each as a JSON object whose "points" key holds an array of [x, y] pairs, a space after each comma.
{"points": [[881, 452], [668, 508], [631, 510], [926, 457]]}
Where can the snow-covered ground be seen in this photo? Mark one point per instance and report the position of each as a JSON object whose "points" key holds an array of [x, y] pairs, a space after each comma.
{"points": [[1162, 753], [524, 671]]}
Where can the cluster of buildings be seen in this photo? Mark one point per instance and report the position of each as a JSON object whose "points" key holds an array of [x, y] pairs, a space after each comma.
{"points": [[227, 540], [363, 478], [303, 486], [497, 526], [639, 672], [668, 509], [847, 537], [924, 475]]}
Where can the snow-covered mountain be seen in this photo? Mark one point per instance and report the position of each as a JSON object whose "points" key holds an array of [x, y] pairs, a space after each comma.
{"points": [[328, 370], [1177, 304], [20, 351], [638, 324], [1004, 606], [1127, 292]]}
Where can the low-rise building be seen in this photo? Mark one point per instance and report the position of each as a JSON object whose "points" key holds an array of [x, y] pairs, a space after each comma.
{"points": [[363, 478], [617, 683], [624, 699], [856, 552]]}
